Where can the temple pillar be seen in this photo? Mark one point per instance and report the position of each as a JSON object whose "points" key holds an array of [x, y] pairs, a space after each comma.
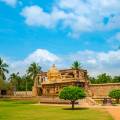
{"points": [[34, 91]]}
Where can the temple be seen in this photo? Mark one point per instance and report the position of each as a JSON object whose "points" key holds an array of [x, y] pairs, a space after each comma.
{"points": [[51, 82]]}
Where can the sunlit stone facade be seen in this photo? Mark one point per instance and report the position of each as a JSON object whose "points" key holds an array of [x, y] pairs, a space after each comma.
{"points": [[51, 82]]}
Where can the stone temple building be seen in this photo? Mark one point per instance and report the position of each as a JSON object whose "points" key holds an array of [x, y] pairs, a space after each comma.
{"points": [[51, 82]]}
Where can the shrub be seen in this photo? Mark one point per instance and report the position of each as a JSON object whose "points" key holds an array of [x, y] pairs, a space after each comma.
{"points": [[115, 94], [72, 93]]}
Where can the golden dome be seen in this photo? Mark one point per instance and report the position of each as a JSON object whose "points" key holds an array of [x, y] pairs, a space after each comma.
{"points": [[53, 74]]}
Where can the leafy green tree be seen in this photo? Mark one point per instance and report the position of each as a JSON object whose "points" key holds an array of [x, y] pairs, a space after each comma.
{"points": [[15, 80], [3, 69], [76, 65], [116, 79], [93, 80], [27, 83], [115, 94], [104, 78], [72, 93], [33, 70]]}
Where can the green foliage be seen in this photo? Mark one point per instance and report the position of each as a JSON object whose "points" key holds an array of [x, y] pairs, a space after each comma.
{"points": [[27, 83], [115, 94], [72, 93], [76, 65], [19, 110], [93, 80], [116, 79], [33, 70], [20, 83], [104, 78], [3, 69]]}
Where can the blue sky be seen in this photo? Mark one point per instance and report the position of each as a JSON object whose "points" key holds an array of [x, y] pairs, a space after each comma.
{"points": [[86, 30]]}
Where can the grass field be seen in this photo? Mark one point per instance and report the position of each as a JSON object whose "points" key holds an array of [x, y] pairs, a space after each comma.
{"points": [[14, 110]]}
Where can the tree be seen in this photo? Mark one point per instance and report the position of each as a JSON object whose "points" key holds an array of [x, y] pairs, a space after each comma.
{"points": [[3, 69], [115, 94], [15, 80], [33, 70], [92, 80], [104, 78], [116, 79], [76, 65], [27, 83], [72, 93]]}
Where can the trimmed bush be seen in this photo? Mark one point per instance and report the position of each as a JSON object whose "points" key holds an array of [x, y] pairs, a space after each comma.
{"points": [[72, 93], [115, 94]]}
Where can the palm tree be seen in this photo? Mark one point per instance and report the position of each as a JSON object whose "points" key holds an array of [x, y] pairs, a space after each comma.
{"points": [[33, 70], [3, 69], [76, 65]]}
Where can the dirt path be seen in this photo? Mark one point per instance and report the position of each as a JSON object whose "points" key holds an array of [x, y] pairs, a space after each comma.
{"points": [[115, 112]]}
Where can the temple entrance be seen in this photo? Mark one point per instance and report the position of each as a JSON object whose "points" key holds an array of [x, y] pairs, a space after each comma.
{"points": [[3, 92], [40, 91], [80, 84]]}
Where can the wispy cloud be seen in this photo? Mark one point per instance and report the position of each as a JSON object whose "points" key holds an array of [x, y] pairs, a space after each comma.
{"points": [[79, 16], [11, 3], [94, 62], [114, 41]]}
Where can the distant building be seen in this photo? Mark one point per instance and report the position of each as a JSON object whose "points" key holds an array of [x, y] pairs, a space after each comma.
{"points": [[51, 82]]}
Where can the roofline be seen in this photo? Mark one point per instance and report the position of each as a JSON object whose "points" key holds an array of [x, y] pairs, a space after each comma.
{"points": [[66, 70]]}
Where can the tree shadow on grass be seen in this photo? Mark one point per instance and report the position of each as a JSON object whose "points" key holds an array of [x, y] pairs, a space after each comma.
{"points": [[82, 108]]}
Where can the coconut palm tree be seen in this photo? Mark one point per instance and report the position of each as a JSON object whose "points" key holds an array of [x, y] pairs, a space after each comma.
{"points": [[76, 65], [3, 69], [33, 70]]}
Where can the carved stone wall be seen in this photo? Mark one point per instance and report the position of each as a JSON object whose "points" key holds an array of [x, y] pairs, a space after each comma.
{"points": [[101, 90]]}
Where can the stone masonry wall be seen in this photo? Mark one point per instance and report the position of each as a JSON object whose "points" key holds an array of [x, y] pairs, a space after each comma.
{"points": [[100, 90]]}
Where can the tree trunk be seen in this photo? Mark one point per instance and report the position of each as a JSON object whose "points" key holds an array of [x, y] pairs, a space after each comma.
{"points": [[73, 103], [117, 101]]}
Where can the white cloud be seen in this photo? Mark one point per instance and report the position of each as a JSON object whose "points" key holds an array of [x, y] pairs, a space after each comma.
{"points": [[94, 62], [99, 62], [35, 16], [114, 41], [79, 16], [10, 2], [41, 56], [117, 36]]}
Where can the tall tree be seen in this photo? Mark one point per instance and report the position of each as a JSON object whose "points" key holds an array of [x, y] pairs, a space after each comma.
{"points": [[3, 69], [15, 80], [76, 65], [27, 83], [33, 70]]}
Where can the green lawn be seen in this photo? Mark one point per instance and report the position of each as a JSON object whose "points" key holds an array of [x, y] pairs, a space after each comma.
{"points": [[10, 110]]}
